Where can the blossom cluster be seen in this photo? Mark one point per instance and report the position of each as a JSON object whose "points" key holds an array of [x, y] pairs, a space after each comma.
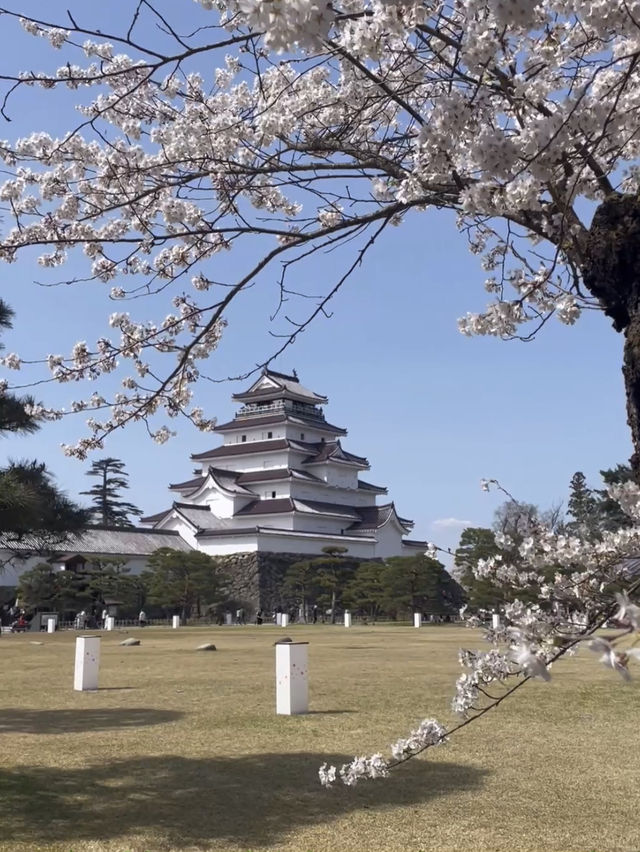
{"points": [[346, 115]]}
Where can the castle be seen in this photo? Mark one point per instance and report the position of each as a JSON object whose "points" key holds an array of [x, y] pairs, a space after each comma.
{"points": [[282, 482]]}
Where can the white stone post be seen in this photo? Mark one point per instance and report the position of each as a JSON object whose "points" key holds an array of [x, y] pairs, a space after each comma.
{"points": [[228, 619], [175, 622], [347, 618], [417, 619], [278, 619], [495, 621], [87, 663], [110, 622], [292, 689], [51, 625], [284, 620]]}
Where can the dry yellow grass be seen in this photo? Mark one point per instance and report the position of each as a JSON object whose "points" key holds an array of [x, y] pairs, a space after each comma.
{"points": [[180, 750]]}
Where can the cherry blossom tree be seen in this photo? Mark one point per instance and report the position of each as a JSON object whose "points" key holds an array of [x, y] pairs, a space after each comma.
{"points": [[300, 125], [277, 129]]}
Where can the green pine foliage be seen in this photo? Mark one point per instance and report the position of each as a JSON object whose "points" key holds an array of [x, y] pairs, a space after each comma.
{"points": [[109, 508], [30, 504], [189, 582]]}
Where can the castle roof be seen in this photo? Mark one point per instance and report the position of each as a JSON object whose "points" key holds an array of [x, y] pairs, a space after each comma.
{"points": [[242, 449], [374, 517], [243, 421], [360, 518], [316, 451], [273, 385]]}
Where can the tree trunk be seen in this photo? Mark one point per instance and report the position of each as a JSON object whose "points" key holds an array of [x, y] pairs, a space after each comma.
{"points": [[333, 606], [611, 273]]}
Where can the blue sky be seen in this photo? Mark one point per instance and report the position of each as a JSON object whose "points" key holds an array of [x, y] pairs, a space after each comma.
{"points": [[433, 411]]}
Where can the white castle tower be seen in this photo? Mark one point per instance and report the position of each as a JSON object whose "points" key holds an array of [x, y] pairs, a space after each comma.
{"points": [[281, 482]]}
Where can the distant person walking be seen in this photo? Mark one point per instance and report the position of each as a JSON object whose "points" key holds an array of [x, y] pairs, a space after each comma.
{"points": [[142, 618]]}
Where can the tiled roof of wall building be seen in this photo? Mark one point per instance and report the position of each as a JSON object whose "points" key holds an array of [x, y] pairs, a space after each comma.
{"points": [[107, 541]]}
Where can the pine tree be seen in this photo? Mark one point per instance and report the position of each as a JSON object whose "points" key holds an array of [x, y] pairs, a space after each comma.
{"points": [[611, 516], [582, 506], [109, 510], [30, 503]]}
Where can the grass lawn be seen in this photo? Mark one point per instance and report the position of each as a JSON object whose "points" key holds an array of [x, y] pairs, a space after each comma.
{"points": [[182, 750]]}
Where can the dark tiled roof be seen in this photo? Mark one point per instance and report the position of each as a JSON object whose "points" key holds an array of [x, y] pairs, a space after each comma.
{"points": [[152, 519], [277, 473], [286, 504], [276, 419], [110, 541], [242, 449], [194, 483], [267, 507], [228, 532], [322, 508], [321, 451], [367, 486], [289, 385], [374, 517], [184, 508], [410, 542], [276, 530], [228, 479]]}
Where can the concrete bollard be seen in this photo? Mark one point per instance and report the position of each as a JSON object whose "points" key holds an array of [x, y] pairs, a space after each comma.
{"points": [[110, 622], [85, 675], [495, 621], [228, 619], [51, 625], [417, 619], [284, 620], [175, 622], [292, 688], [347, 618], [278, 619]]}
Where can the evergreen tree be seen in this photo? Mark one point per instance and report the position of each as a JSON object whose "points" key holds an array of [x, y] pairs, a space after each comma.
{"points": [[582, 507], [419, 584], [299, 583], [184, 581], [478, 543], [365, 591], [30, 504], [333, 572], [610, 515], [109, 509]]}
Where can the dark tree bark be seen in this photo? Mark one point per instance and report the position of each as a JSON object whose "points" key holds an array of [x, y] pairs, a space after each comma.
{"points": [[611, 272]]}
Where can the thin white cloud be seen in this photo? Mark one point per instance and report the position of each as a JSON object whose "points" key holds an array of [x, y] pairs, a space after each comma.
{"points": [[451, 523]]}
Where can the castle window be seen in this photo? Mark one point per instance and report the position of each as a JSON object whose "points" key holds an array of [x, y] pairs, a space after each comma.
{"points": [[273, 494], [244, 438], [269, 434], [302, 436]]}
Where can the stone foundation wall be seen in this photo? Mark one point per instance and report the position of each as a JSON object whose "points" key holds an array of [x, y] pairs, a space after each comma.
{"points": [[255, 579]]}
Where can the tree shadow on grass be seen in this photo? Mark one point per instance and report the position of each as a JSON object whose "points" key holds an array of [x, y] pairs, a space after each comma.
{"points": [[250, 800], [19, 721]]}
